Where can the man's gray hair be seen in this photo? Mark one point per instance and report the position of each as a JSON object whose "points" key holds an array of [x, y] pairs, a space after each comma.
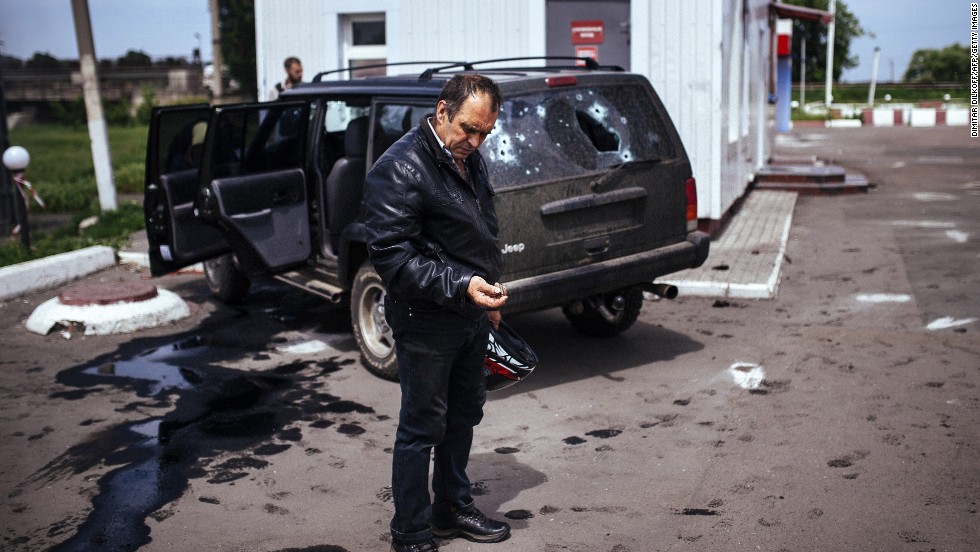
{"points": [[462, 86]]}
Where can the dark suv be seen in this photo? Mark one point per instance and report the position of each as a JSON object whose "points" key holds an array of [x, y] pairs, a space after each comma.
{"points": [[594, 191]]}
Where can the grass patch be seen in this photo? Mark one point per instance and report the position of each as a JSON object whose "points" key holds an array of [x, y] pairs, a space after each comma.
{"points": [[62, 172], [61, 168], [112, 229]]}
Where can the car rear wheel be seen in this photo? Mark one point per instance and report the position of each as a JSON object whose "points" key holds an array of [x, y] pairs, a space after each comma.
{"points": [[226, 280], [371, 331], [606, 315]]}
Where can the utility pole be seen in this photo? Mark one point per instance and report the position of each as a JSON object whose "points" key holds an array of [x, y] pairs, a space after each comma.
{"points": [[874, 77], [218, 85], [828, 96], [97, 131], [802, 73], [7, 192]]}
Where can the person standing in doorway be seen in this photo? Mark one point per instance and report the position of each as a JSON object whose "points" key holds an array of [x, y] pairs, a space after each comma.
{"points": [[432, 237]]}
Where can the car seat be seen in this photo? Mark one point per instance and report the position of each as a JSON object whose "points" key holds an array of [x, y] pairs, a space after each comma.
{"points": [[345, 183]]}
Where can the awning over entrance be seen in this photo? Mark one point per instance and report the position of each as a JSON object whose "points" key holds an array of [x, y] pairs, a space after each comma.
{"points": [[789, 11]]}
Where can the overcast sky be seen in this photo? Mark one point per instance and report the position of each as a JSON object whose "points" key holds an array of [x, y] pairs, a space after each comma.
{"points": [[175, 27]]}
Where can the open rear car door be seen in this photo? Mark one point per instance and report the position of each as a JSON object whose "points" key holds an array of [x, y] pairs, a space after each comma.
{"points": [[252, 183], [175, 146]]}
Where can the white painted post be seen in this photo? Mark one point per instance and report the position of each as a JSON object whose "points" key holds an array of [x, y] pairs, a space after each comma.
{"points": [[802, 73], [97, 132], [828, 97], [874, 77], [218, 85]]}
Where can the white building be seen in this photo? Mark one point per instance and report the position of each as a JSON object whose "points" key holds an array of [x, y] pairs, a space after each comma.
{"points": [[710, 60]]}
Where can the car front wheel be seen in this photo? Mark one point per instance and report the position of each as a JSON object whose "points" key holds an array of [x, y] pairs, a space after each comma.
{"points": [[371, 331], [606, 315]]}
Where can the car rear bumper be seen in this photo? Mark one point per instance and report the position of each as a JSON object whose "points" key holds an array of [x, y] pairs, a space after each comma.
{"points": [[562, 287]]}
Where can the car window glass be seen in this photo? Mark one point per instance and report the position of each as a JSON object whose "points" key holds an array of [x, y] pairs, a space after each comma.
{"points": [[337, 115], [566, 132], [392, 122], [252, 141], [181, 140]]}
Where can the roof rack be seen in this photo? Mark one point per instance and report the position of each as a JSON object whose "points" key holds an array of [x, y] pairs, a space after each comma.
{"points": [[590, 65], [319, 76]]}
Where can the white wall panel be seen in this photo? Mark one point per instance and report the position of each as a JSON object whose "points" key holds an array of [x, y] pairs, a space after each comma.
{"points": [[286, 28], [677, 45], [470, 30]]}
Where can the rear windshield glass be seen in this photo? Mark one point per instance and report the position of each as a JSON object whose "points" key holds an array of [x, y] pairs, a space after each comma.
{"points": [[566, 132]]}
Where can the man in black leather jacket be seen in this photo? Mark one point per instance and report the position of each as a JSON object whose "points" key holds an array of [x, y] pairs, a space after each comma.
{"points": [[432, 237]]}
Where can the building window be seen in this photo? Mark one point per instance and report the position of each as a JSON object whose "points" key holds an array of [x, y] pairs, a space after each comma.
{"points": [[368, 33], [365, 44]]}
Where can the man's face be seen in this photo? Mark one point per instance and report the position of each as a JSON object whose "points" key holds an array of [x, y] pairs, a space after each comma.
{"points": [[295, 72], [468, 129]]}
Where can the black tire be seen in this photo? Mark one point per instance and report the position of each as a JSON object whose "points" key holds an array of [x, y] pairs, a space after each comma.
{"points": [[226, 280], [591, 322], [371, 331]]}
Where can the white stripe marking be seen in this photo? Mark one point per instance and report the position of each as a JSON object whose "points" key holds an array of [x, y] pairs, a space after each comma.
{"points": [[957, 236], [304, 348], [948, 322], [883, 297], [933, 196], [924, 223]]}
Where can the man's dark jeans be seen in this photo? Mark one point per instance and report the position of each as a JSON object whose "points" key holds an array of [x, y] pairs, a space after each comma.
{"points": [[440, 368]]}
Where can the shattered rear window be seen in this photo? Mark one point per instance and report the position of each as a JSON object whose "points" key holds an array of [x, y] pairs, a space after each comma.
{"points": [[567, 132]]}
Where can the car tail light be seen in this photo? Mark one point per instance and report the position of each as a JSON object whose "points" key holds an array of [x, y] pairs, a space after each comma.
{"points": [[691, 190], [565, 80]]}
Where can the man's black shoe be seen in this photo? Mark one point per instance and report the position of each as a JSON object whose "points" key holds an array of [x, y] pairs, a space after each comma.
{"points": [[472, 525], [422, 546]]}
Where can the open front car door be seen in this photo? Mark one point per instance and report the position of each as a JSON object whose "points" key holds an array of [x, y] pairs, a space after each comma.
{"points": [[174, 150], [252, 183]]}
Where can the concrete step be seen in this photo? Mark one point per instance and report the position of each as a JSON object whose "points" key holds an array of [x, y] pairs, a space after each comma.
{"points": [[810, 179]]}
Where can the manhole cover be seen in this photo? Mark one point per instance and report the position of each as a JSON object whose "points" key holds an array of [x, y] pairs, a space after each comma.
{"points": [[107, 293]]}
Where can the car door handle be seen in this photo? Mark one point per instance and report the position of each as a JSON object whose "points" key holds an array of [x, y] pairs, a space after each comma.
{"points": [[255, 215], [284, 197]]}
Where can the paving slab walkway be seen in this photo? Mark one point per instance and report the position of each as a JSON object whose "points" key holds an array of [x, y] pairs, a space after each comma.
{"points": [[746, 258]]}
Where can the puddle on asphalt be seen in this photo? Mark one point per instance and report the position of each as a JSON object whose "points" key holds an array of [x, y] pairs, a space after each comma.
{"points": [[211, 411]]}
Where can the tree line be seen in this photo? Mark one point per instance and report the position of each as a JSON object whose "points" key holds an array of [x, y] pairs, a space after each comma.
{"points": [[928, 65]]}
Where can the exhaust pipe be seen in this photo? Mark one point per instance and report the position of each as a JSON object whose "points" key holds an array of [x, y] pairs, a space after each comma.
{"points": [[667, 291]]}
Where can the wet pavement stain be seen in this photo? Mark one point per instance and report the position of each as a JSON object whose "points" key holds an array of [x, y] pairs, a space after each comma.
{"points": [[604, 433], [574, 440], [519, 514], [697, 512], [213, 410]]}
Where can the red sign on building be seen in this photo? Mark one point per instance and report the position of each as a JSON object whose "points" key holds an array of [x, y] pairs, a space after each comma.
{"points": [[587, 32], [586, 52]]}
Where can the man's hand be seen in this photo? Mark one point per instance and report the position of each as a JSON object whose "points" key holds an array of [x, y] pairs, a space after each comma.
{"points": [[488, 296]]}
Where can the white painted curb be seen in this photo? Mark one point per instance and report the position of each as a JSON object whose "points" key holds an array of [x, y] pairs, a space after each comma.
{"points": [[143, 260], [121, 317], [54, 270]]}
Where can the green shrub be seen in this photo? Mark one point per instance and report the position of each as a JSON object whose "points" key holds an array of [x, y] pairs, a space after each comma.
{"points": [[145, 109], [129, 178], [117, 114]]}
